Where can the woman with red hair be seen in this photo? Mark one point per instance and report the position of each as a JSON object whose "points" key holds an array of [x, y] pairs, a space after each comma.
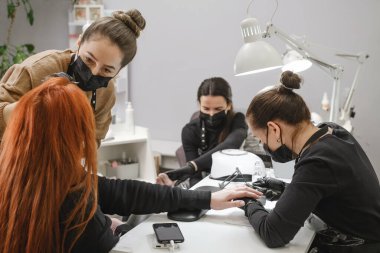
{"points": [[50, 195]]}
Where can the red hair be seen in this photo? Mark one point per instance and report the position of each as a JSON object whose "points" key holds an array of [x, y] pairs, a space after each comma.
{"points": [[50, 133]]}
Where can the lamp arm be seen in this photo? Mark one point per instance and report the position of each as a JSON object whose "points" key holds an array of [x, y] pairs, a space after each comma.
{"points": [[330, 69], [334, 71], [347, 104]]}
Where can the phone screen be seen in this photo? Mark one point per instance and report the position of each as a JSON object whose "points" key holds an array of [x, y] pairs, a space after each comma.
{"points": [[165, 232]]}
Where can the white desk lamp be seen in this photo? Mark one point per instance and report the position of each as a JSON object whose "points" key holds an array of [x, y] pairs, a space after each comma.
{"points": [[294, 61], [257, 56], [246, 62], [265, 56]]}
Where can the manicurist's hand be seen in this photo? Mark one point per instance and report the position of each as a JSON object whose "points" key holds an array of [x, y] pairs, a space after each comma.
{"points": [[229, 197], [163, 179]]}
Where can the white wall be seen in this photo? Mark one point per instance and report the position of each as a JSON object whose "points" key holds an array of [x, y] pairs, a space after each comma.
{"points": [[187, 41], [50, 30]]}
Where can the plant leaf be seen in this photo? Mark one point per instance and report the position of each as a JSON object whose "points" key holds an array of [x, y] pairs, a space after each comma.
{"points": [[3, 49], [11, 10], [30, 16], [29, 48]]}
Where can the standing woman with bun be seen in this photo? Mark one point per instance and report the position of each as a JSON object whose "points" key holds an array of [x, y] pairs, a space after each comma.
{"points": [[105, 47], [333, 177]]}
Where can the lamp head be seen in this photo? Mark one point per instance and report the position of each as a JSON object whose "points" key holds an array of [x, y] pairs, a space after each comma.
{"points": [[255, 55]]}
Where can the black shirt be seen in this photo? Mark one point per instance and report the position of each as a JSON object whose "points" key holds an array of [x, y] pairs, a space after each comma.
{"points": [[124, 197], [333, 179], [191, 140]]}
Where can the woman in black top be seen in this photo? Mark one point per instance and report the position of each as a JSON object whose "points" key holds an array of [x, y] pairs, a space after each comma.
{"points": [[218, 127], [333, 178]]}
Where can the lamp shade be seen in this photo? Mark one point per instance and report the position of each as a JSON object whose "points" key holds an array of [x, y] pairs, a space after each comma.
{"points": [[255, 55], [295, 62]]}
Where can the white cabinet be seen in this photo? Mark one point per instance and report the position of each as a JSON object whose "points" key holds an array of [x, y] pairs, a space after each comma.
{"points": [[135, 146]]}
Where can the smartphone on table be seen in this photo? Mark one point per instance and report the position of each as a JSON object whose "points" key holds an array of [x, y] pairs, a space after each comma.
{"points": [[165, 232]]}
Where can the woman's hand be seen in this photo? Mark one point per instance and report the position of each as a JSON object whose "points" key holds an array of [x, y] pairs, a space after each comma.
{"points": [[230, 197], [163, 179]]}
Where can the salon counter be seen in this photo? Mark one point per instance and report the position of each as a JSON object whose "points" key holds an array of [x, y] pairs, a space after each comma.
{"points": [[218, 231]]}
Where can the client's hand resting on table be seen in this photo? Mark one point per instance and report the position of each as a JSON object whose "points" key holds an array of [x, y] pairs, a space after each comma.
{"points": [[232, 197]]}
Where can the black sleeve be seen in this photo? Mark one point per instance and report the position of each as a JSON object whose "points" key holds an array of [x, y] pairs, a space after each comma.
{"points": [[97, 236], [298, 201], [234, 140], [190, 142], [124, 197]]}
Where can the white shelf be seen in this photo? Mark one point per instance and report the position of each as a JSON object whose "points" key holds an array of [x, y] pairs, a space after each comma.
{"points": [[121, 137], [136, 146]]}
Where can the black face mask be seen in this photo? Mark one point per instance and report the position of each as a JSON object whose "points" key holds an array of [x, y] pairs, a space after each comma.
{"points": [[281, 155], [213, 121], [82, 74]]}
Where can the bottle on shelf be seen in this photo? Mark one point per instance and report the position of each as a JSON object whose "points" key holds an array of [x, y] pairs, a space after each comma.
{"points": [[114, 115], [124, 159], [129, 119]]}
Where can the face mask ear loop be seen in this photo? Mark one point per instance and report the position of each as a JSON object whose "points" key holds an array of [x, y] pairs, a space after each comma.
{"points": [[76, 54], [227, 110], [281, 136], [280, 139]]}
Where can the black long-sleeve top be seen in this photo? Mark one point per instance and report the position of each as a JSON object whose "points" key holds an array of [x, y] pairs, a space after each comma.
{"points": [[124, 197], [333, 179], [191, 140]]}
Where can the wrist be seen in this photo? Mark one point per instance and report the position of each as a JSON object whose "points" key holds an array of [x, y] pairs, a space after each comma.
{"points": [[253, 204], [193, 165], [246, 207]]}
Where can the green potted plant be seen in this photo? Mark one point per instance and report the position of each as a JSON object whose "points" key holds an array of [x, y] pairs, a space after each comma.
{"points": [[12, 54]]}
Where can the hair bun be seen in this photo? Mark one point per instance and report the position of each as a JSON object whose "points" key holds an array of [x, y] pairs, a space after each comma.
{"points": [[290, 80], [133, 19]]}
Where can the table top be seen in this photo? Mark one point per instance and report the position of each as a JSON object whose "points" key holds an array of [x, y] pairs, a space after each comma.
{"points": [[218, 231]]}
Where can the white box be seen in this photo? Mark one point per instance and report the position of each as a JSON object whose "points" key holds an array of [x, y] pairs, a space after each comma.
{"points": [[124, 171]]}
